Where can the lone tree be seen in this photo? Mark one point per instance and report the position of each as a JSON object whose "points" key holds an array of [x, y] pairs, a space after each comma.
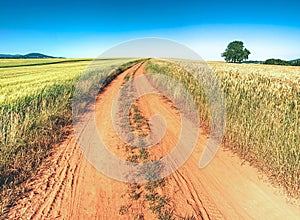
{"points": [[235, 52]]}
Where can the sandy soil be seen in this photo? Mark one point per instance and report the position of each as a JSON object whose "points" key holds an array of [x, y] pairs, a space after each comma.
{"points": [[69, 187]]}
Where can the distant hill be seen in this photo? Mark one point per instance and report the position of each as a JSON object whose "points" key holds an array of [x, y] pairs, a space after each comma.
{"points": [[295, 62], [26, 56]]}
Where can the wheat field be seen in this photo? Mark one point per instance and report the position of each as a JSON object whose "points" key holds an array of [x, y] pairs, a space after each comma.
{"points": [[262, 107], [262, 112]]}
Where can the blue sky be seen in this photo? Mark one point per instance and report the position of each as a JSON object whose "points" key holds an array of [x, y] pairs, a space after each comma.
{"points": [[88, 28]]}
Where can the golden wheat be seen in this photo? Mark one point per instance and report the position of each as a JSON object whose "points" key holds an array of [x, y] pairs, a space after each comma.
{"points": [[262, 107]]}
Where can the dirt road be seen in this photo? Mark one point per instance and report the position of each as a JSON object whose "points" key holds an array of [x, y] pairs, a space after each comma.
{"points": [[69, 187]]}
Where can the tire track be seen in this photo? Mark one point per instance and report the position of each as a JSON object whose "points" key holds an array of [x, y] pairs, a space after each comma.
{"points": [[204, 210]]}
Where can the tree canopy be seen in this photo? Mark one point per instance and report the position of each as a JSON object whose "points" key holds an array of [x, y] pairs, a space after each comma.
{"points": [[235, 52]]}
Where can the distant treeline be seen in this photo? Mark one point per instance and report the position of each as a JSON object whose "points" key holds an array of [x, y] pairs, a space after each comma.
{"points": [[282, 62], [275, 62]]}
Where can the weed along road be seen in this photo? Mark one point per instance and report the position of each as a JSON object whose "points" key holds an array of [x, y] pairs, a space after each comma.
{"points": [[68, 186]]}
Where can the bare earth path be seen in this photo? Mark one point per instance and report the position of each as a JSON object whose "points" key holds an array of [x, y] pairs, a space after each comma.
{"points": [[69, 187]]}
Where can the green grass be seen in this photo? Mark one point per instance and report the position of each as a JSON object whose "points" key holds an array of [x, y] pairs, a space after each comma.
{"points": [[35, 107], [263, 120]]}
